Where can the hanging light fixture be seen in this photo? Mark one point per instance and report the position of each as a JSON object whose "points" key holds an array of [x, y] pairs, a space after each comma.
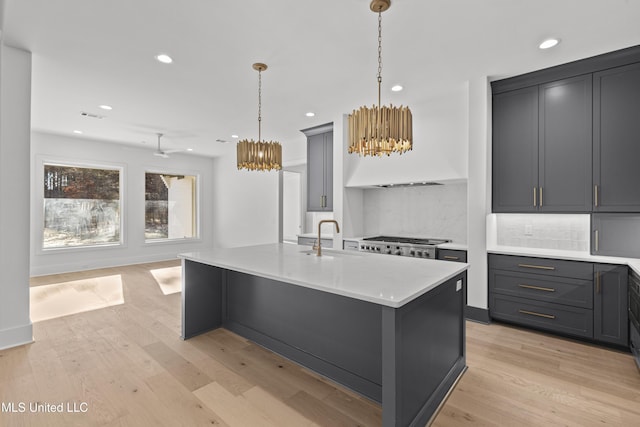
{"points": [[259, 155], [380, 130]]}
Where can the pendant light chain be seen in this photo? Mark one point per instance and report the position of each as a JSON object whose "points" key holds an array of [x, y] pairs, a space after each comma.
{"points": [[379, 54], [259, 105]]}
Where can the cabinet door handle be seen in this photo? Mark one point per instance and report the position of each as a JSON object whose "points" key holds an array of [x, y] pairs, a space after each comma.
{"points": [[453, 258], [598, 284], [535, 197], [540, 196], [537, 288], [539, 267], [533, 313], [595, 196], [597, 240]]}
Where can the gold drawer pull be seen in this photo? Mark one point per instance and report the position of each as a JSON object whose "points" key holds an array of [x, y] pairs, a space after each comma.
{"points": [[451, 257], [539, 267], [533, 313], [537, 288]]}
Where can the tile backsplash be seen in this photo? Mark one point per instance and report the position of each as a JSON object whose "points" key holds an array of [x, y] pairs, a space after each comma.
{"points": [[422, 211], [548, 231]]}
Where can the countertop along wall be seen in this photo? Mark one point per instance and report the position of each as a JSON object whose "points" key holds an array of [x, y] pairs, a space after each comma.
{"points": [[135, 161]]}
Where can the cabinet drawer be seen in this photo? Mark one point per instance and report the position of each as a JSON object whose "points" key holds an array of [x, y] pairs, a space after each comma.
{"points": [[452, 255], [553, 317], [310, 241], [574, 292], [543, 266]]}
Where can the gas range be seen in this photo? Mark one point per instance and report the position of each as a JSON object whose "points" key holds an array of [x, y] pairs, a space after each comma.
{"points": [[402, 246]]}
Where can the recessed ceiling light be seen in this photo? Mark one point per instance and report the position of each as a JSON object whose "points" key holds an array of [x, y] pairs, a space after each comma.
{"points": [[548, 43], [310, 114], [189, 149], [234, 136], [79, 132], [164, 58], [106, 107], [396, 88]]}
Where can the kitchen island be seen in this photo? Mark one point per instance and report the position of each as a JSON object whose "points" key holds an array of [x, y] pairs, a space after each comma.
{"points": [[390, 328]]}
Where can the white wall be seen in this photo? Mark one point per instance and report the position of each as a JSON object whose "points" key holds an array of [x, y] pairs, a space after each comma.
{"points": [[439, 147], [135, 161], [291, 205], [15, 118], [247, 204], [479, 190], [422, 211]]}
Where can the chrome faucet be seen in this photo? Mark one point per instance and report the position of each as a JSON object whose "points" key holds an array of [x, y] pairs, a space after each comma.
{"points": [[319, 240]]}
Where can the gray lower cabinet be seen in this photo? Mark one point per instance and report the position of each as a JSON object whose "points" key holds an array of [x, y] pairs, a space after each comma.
{"points": [[311, 241], [319, 168], [456, 255], [611, 320], [616, 139], [575, 298]]}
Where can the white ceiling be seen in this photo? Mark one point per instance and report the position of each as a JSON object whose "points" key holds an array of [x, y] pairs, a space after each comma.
{"points": [[321, 57]]}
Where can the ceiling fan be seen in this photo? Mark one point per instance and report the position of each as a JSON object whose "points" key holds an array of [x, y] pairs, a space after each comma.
{"points": [[164, 153]]}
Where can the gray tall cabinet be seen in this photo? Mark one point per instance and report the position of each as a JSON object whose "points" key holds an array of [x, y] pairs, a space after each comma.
{"points": [[616, 141], [567, 139], [319, 168]]}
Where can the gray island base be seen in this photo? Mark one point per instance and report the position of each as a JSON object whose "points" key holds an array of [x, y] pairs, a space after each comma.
{"points": [[406, 358]]}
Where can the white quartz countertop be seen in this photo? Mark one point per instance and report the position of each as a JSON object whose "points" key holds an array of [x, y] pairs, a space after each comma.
{"points": [[633, 263], [381, 279]]}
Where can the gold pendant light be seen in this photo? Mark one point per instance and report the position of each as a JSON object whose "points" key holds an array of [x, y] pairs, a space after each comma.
{"points": [[380, 130], [259, 155]]}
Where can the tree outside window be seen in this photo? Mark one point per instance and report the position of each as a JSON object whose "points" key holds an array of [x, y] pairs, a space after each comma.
{"points": [[81, 206]]}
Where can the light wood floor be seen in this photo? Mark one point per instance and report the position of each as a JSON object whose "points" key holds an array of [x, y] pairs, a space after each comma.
{"points": [[127, 362]]}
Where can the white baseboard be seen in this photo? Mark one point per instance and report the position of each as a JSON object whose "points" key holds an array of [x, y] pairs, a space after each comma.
{"points": [[17, 336], [99, 263]]}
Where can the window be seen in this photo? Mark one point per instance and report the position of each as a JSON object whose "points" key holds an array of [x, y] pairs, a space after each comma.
{"points": [[170, 206], [81, 206]]}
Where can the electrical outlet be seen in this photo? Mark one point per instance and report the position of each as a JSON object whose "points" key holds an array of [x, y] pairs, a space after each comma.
{"points": [[528, 230]]}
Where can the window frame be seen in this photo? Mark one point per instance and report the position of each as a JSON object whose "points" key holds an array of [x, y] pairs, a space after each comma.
{"points": [[196, 206], [87, 164]]}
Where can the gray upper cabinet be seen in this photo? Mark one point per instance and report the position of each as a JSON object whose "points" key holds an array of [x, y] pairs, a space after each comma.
{"points": [[615, 234], [319, 168], [587, 137], [616, 140], [565, 145], [515, 150], [610, 302], [542, 147]]}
